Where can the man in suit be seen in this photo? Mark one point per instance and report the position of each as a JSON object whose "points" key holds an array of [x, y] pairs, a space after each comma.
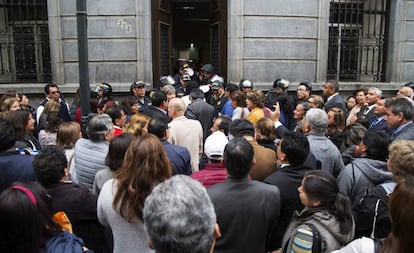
{"points": [[179, 157], [158, 107], [331, 92], [400, 113], [377, 121], [185, 132], [200, 110], [247, 211], [265, 158], [367, 112], [292, 151]]}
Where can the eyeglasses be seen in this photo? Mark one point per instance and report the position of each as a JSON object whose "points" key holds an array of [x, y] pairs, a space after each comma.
{"points": [[301, 90]]}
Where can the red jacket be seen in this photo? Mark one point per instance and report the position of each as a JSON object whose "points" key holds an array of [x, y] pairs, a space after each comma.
{"points": [[211, 174]]}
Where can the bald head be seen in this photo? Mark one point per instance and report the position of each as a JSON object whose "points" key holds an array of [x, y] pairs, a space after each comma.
{"points": [[176, 107], [405, 92]]}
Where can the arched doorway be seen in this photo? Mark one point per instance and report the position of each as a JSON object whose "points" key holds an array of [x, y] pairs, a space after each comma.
{"points": [[194, 30]]}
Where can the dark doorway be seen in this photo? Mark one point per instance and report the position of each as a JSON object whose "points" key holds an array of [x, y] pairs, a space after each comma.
{"points": [[195, 31]]}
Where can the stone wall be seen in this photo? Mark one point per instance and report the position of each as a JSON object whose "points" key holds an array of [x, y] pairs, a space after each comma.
{"points": [[278, 39], [119, 34]]}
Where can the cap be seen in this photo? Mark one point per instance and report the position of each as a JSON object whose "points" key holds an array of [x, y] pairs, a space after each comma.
{"points": [[216, 85], [137, 84], [307, 84], [183, 65], [215, 144], [208, 68], [164, 80]]}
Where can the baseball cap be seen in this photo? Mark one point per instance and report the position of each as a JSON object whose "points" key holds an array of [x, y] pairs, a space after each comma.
{"points": [[165, 80], [216, 85], [215, 144], [137, 84], [307, 84], [208, 68]]}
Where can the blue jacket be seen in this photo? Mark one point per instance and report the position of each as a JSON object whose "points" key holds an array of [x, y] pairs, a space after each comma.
{"points": [[15, 167], [179, 157], [65, 242]]}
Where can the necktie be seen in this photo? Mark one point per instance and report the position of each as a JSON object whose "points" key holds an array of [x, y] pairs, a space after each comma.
{"points": [[375, 122]]}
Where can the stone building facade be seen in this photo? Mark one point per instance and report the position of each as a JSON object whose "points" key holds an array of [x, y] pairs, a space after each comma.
{"points": [[264, 40]]}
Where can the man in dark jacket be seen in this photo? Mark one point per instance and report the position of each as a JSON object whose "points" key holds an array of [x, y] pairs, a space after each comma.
{"points": [[400, 113], [78, 203], [247, 211], [158, 107], [292, 152], [200, 110]]}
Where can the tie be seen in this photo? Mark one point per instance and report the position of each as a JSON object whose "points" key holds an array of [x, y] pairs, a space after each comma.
{"points": [[375, 122]]}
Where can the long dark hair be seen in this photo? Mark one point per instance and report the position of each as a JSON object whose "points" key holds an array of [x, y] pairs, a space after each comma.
{"points": [[25, 218], [18, 119], [321, 186], [117, 148], [145, 165], [400, 239]]}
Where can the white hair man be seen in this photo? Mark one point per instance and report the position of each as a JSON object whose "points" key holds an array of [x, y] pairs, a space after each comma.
{"points": [[179, 217], [316, 123]]}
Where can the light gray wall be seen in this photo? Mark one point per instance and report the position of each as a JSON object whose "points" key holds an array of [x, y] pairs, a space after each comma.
{"points": [[119, 34], [277, 39]]}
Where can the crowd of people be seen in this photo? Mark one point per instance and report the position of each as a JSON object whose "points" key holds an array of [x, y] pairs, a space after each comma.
{"points": [[198, 165]]}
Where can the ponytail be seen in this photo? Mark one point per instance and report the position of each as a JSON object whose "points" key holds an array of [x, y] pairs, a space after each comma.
{"points": [[343, 212]]}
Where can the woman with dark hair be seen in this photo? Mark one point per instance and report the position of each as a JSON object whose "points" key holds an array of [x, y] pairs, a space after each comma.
{"points": [[48, 135], [361, 102], [114, 158], [23, 124], [121, 201], [336, 126], [353, 135], [327, 213], [26, 223], [24, 104], [238, 102]]}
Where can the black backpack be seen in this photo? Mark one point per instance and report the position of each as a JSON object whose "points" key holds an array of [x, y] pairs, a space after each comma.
{"points": [[371, 213]]}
